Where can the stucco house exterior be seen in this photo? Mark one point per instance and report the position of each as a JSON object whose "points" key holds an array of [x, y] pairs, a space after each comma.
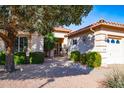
{"points": [[107, 38], [35, 42], [104, 37], [60, 33]]}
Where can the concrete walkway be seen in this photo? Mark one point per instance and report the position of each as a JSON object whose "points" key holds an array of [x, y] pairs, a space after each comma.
{"points": [[54, 73]]}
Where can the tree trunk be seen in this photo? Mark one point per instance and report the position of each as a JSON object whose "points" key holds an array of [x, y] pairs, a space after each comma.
{"points": [[9, 66], [49, 52]]}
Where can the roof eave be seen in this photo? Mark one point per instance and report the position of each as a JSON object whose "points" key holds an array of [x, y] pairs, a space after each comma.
{"points": [[121, 28]]}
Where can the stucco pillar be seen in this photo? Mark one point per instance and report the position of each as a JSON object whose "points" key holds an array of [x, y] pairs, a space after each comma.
{"points": [[101, 47], [29, 41], [52, 53]]}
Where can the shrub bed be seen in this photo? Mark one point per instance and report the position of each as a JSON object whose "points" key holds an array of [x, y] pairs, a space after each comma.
{"points": [[83, 59], [20, 58], [2, 58], [36, 57], [75, 56], [93, 59]]}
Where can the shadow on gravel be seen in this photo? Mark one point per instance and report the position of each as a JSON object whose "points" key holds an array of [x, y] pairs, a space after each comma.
{"points": [[50, 69]]}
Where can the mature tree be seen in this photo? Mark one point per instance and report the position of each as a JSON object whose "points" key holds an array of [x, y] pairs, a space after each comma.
{"points": [[13, 19], [35, 18]]}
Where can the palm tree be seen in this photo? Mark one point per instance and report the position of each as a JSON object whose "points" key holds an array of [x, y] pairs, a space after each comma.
{"points": [[49, 42]]}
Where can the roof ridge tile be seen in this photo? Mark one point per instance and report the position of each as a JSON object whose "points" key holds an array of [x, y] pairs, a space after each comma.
{"points": [[102, 21]]}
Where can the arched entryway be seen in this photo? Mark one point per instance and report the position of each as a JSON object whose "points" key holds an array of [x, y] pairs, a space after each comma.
{"points": [[58, 50]]}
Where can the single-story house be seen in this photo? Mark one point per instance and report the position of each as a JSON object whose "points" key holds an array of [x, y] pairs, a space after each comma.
{"points": [[107, 38], [62, 41], [35, 42]]}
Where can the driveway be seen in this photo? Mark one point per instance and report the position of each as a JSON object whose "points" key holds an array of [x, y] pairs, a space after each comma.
{"points": [[54, 73]]}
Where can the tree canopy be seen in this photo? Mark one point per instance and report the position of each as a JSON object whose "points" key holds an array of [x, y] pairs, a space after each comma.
{"points": [[35, 18], [42, 18]]}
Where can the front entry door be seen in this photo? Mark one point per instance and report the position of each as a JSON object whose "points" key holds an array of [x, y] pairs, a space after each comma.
{"points": [[58, 49]]}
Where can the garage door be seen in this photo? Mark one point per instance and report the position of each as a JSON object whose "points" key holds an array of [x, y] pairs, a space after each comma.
{"points": [[115, 51]]}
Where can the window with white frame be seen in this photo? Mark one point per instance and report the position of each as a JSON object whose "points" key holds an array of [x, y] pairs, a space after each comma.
{"points": [[74, 41], [117, 42], [113, 41], [21, 43]]}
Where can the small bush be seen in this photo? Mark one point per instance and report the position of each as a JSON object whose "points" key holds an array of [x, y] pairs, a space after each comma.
{"points": [[115, 79], [20, 58], [36, 58], [83, 59], [2, 58], [93, 59], [75, 56]]}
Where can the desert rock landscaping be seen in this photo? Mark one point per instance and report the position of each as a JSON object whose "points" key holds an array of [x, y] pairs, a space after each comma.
{"points": [[55, 73]]}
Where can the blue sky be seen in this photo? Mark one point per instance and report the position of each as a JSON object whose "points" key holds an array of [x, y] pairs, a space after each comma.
{"points": [[114, 13]]}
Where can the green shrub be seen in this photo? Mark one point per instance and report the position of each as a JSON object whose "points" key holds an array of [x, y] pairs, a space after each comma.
{"points": [[93, 59], [2, 58], [115, 79], [83, 59], [75, 56], [20, 58], [36, 57]]}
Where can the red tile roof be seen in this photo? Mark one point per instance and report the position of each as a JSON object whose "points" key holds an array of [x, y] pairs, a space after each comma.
{"points": [[61, 29], [99, 23]]}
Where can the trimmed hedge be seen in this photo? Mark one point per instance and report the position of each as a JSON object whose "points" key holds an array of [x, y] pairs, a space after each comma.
{"points": [[2, 58], [20, 58], [93, 59], [83, 59], [36, 57], [75, 56]]}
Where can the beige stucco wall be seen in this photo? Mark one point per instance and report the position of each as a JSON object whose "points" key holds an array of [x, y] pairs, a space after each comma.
{"points": [[37, 43], [111, 53], [82, 45], [2, 45], [61, 35]]}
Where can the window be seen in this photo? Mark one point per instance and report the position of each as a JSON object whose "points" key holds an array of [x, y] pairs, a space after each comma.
{"points": [[74, 42], [20, 44], [117, 42], [107, 40], [112, 41]]}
